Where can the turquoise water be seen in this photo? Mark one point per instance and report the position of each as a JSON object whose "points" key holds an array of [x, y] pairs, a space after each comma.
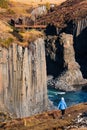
{"points": [[71, 98]]}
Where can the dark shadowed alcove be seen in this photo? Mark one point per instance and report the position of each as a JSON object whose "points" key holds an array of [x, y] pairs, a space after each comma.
{"points": [[80, 46], [51, 29], [54, 56]]}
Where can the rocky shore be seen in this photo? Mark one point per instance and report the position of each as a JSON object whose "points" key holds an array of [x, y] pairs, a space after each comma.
{"points": [[51, 83]]}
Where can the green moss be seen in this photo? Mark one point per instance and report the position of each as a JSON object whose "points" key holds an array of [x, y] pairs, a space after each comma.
{"points": [[6, 43]]}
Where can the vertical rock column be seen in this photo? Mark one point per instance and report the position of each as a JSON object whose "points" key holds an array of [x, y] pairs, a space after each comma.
{"points": [[23, 87], [81, 25], [4, 77], [34, 88], [72, 76]]}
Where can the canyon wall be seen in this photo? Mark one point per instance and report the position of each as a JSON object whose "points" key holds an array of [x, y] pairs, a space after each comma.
{"points": [[23, 88], [81, 25], [70, 57], [72, 77], [80, 45]]}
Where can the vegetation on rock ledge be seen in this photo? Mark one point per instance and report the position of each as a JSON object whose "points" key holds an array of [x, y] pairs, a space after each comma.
{"points": [[6, 42], [4, 3], [70, 10], [25, 37]]}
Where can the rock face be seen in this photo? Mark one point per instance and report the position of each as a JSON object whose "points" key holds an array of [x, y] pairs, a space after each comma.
{"points": [[70, 54], [23, 88], [71, 18], [81, 25], [54, 56], [80, 45], [72, 76]]}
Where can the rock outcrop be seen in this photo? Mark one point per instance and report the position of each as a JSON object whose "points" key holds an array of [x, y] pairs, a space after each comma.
{"points": [[72, 76], [71, 18], [80, 46], [81, 25], [23, 88]]}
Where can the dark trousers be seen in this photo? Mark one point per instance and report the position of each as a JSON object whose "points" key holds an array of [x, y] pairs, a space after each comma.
{"points": [[63, 112]]}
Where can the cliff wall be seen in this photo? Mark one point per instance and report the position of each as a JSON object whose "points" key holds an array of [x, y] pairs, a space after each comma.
{"points": [[23, 88], [70, 60], [81, 25], [72, 76], [80, 45]]}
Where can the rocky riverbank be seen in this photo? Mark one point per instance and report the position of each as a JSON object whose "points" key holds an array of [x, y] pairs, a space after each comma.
{"points": [[51, 83]]}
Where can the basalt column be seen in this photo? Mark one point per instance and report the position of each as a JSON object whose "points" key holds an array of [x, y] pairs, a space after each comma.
{"points": [[72, 77], [80, 45], [23, 88]]}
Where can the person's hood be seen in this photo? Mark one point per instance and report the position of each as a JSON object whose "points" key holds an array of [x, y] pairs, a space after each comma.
{"points": [[62, 98]]}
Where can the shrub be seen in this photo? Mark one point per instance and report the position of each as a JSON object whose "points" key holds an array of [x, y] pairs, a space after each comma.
{"points": [[4, 3], [6, 43], [10, 11], [31, 35], [47, 6]]}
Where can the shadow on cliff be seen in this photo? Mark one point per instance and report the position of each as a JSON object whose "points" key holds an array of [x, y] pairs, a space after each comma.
{"points": [[51, 30], [55, 59], [80, 46]]}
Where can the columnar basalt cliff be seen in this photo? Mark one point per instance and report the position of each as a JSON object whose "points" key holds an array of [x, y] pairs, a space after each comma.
{"points": [[81, 25], [80, 45], [70, 55], [23, 88], [68, 60], [72, 76]]}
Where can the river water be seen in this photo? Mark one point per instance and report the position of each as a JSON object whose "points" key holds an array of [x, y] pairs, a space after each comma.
{"points": [[71, 98]]}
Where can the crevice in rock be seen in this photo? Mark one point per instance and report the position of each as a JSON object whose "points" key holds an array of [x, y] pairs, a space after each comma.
{"points": [[54, 56], [80, 46]]}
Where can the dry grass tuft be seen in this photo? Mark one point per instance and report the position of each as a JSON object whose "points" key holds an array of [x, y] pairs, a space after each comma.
{"points": [[6, 42], [31, 36], [4, 27], [71, 10]]}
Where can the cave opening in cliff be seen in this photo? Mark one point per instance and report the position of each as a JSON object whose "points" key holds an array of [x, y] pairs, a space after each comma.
{"points": [[51, 29], [54, 56], [80, 46]]}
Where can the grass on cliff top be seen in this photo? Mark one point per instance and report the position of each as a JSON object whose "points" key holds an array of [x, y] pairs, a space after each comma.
{"points": [[6, 38], [6, 42], [71, 10], [36, 2], [31, 35], [26, 37], [4, 3]]}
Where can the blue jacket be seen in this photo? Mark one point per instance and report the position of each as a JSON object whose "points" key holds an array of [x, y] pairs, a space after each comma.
{"points": [[62, 105]]}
